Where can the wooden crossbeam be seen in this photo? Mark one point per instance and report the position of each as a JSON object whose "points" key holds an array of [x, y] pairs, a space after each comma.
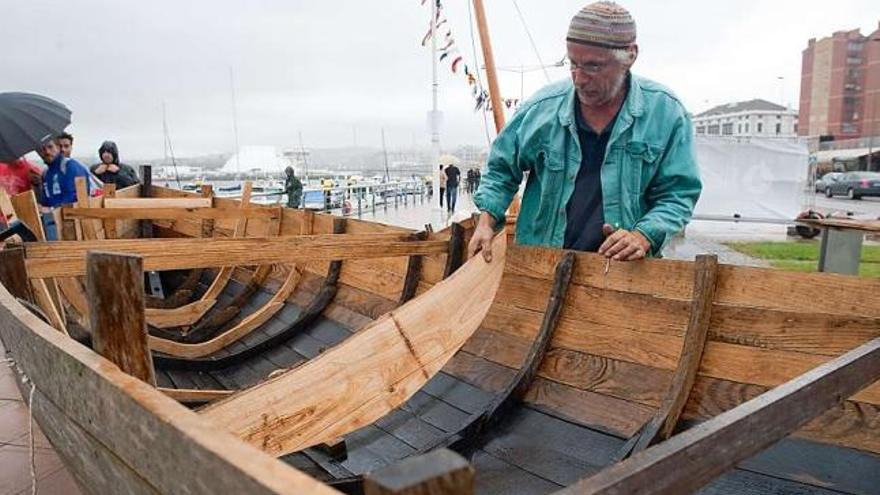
{"points": [[176, 213], [66, 259], [147, 203], [662, 424], [115, 286], [691, 459], [439, 473]]}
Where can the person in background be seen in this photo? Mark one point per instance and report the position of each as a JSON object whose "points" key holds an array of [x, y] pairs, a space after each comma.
{"points": [[293, 188], [477, 177], [442, 185], [65, 143], [453, 174], [110, 170], [470, 180], [610, 155], [59, 183], [19, 175]]}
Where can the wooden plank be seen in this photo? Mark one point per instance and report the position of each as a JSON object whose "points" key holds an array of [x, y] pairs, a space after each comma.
{"points": [[195, 395], [663, 423], [441, 472], [170, 213], [163, 203], [413, 272], [13, 274], [115, 285], [174, 317], [455, 254], [159, 440], [60, 259], [724, 441], [25, 206], [384, 363], [109, 223], [89, 227]]}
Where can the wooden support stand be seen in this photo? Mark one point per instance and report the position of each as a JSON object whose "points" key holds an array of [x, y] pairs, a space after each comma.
{"points": [[115, 286], [441, 472]]}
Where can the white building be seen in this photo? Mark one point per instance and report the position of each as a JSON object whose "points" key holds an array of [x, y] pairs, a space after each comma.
{"points": [[753, 118]]}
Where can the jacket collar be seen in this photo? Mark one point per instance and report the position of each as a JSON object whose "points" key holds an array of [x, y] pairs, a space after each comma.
{"points": [[633, 106]]}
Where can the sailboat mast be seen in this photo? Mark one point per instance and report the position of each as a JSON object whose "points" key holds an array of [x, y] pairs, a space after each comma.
{"points": [[234, 123], [435, 113], [302, 149], [385, 152], [489, 59]]}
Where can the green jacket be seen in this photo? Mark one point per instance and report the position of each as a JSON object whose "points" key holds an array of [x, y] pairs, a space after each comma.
{"points": [[294, 189], [650, 180]]}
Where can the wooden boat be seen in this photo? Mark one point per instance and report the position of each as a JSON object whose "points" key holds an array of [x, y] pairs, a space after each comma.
{"points": [[545, 371]]}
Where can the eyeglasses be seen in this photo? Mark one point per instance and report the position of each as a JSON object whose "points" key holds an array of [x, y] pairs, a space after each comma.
{"points": [[588, 67]]}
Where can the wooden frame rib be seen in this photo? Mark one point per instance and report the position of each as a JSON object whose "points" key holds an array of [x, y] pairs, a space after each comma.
{"points": [[45, 291], [387, 361], [413, 272], [190, 313], [185, 356], [468, 438], [455, 252], [662, 424], [720, 443]]}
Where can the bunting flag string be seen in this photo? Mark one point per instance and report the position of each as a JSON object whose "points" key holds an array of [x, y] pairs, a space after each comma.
{"points": [[450, 51]]}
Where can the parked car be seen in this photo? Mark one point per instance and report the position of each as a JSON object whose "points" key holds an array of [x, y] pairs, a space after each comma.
{"points": [[855, 185], [827, 180]]}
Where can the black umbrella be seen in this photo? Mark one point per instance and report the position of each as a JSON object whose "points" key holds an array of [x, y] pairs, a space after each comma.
{"points": [[26, 121]]}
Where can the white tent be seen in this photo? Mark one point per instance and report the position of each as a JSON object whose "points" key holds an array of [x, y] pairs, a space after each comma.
{"points": [[754, 178], [256, 159]]}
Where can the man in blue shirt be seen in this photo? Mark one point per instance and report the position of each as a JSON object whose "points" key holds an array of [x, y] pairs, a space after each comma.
{"points": [[59, 182]]}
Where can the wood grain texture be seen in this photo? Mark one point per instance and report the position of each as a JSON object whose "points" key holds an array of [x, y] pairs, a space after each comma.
{"points": [[115, 286], [146, 203], [109, 223], [171, 213], [182, 315], [731, 437], [161, 442], [59, 259], [25, 207], [13, 274], [386, 362], [663, 423]]}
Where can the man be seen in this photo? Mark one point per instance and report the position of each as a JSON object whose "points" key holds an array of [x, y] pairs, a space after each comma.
{"points": [[442, 184], [65, 143], [293, 188], [470, 181], [609, 154], [452, 177], [59, 182], [110, 170]]}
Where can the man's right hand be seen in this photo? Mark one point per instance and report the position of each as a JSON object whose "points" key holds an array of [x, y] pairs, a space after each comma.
{"points": [[481, 241]]}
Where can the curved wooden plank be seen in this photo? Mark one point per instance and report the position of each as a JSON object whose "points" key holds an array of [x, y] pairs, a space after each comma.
{"points": [[246, 326], [193, 312], [371, 373]]}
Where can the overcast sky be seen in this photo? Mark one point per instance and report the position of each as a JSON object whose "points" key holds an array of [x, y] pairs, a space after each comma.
{"points": [[339, 71]]}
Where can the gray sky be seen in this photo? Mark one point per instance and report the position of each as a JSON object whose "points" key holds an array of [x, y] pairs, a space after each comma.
{"points": [[339, 71]]}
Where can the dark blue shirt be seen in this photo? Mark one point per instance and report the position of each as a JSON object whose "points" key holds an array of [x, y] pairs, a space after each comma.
{"points": [[583, 230], [59, 181]]}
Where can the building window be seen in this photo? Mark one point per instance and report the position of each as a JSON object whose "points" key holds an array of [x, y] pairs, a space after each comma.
{"points": [[778, 128], [713, 129], [727, 129], [747, 127], [701, 129], [739, 128], [795, 128], [760, 127]]}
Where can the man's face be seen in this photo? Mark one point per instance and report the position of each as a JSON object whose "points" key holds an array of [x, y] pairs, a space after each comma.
{"points": [[107, 157], [598, 76], [65, 146], [48, 152]]}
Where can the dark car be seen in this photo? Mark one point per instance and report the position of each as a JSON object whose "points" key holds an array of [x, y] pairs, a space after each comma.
{"points": [[827, 180], [854, 185]]}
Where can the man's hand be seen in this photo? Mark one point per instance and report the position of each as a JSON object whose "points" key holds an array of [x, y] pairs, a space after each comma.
{"points": [[624, 245], [100, 169], [481, 241]]}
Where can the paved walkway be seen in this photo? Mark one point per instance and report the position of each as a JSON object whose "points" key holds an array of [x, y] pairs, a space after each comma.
{"points": [[15, 474]]}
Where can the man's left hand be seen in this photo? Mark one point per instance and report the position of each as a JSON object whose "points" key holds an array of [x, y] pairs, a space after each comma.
{"points": [[624, 245]]}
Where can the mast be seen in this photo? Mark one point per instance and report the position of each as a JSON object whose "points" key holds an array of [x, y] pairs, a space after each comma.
{"points": [[489, 59], [302, 150], [385, 152], [234, 123], [435, 113]]}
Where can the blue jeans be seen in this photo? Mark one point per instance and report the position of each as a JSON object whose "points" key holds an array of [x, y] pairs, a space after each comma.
{"points": [[49, 226], [451, 196]]}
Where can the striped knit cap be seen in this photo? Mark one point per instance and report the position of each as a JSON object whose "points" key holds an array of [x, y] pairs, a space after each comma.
{"points": [[603, 24]]}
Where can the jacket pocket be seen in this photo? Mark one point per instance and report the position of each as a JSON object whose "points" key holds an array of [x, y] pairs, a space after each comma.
{"points": [[640, 164], [551, 174]]}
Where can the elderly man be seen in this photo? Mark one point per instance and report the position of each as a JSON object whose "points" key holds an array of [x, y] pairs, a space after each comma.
{"points": [[609, 154]]}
